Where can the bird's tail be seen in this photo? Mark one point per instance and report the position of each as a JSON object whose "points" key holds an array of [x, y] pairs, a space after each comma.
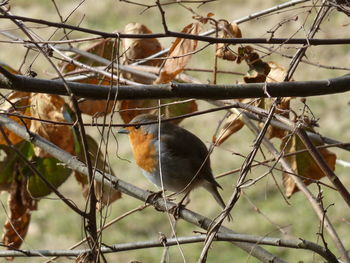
{"points": [[213, 189]]}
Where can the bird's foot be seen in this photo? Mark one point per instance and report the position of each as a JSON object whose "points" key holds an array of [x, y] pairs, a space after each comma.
{"points": [[153, 196], [175, 210]]}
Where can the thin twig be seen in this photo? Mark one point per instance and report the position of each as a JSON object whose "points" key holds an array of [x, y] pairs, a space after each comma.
{"points": [[277, 242], [118, 184]]}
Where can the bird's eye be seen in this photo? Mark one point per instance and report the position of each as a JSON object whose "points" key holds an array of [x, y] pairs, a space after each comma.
{"points": [[137, 127]]}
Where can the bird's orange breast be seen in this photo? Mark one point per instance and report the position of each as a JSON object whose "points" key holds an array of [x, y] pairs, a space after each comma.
{"points": [[144, 150]]}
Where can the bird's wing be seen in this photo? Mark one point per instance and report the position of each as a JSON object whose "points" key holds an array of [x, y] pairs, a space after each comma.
{"points": [[184, 144]]}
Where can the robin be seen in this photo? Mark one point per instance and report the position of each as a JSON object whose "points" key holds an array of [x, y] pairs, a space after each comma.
{"points": [[184, 159]]}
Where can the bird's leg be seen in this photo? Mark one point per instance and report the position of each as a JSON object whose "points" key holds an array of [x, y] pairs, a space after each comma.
{"points": [[153, 196], [175, 210]]}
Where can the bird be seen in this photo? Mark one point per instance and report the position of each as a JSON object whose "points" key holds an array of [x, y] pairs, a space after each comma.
{"points": [[171, 157]]}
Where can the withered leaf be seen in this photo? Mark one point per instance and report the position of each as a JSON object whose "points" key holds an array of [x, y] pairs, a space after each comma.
{"points": [[128, 109], [136, 49], [231, 126], [105, 49], [50, 107], [303, 164], [179, 54], [276, 74], [19, 105], [20, 205], [229, 30]]}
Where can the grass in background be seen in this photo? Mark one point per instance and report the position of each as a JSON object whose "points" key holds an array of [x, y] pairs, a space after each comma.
{"points": [[261, 210]]}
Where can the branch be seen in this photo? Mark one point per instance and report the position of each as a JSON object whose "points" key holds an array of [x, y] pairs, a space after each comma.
{"points": [[302, 187], [238, 21], [322, 164], [298, 181], [177, 90], [212, 40], [277, 242], [90, 218], [159, 203]]}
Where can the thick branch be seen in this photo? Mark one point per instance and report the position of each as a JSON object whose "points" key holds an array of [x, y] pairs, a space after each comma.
{"points": [[138, 193], [178, 90]]}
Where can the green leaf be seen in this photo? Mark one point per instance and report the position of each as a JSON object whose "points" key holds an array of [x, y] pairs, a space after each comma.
{"points": [[12, 161], [6, 167], [50, 168]]}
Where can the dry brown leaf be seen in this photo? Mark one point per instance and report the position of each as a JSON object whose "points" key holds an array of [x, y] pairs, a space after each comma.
{"points": [[136, 49], [20, 205], [277, 74], [179, 54], [231, 126], [234, 123], [95, 107], [105, 49], [140, 48], [230, 30], [50, 107], [20, 101], [304, 165], [128, 109]]}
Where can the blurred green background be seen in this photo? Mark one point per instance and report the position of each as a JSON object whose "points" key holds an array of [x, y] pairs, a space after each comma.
{"points": [[261, 210]]}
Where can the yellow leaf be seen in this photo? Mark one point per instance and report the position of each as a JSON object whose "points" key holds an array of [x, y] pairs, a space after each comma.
{"points": [[50, 107], [277, 72], [179, 54]]}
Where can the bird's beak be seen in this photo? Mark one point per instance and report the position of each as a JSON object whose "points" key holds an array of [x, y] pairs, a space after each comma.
{"points": [[123, 131]]}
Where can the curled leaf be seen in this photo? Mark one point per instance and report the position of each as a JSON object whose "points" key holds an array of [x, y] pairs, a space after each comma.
{"points": [[228, 30], [20, 205], [50, 107], [277, 74], [17, 102], [104, 49], [136, 49], [179, 54], [232, 125], [303, 163]]}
